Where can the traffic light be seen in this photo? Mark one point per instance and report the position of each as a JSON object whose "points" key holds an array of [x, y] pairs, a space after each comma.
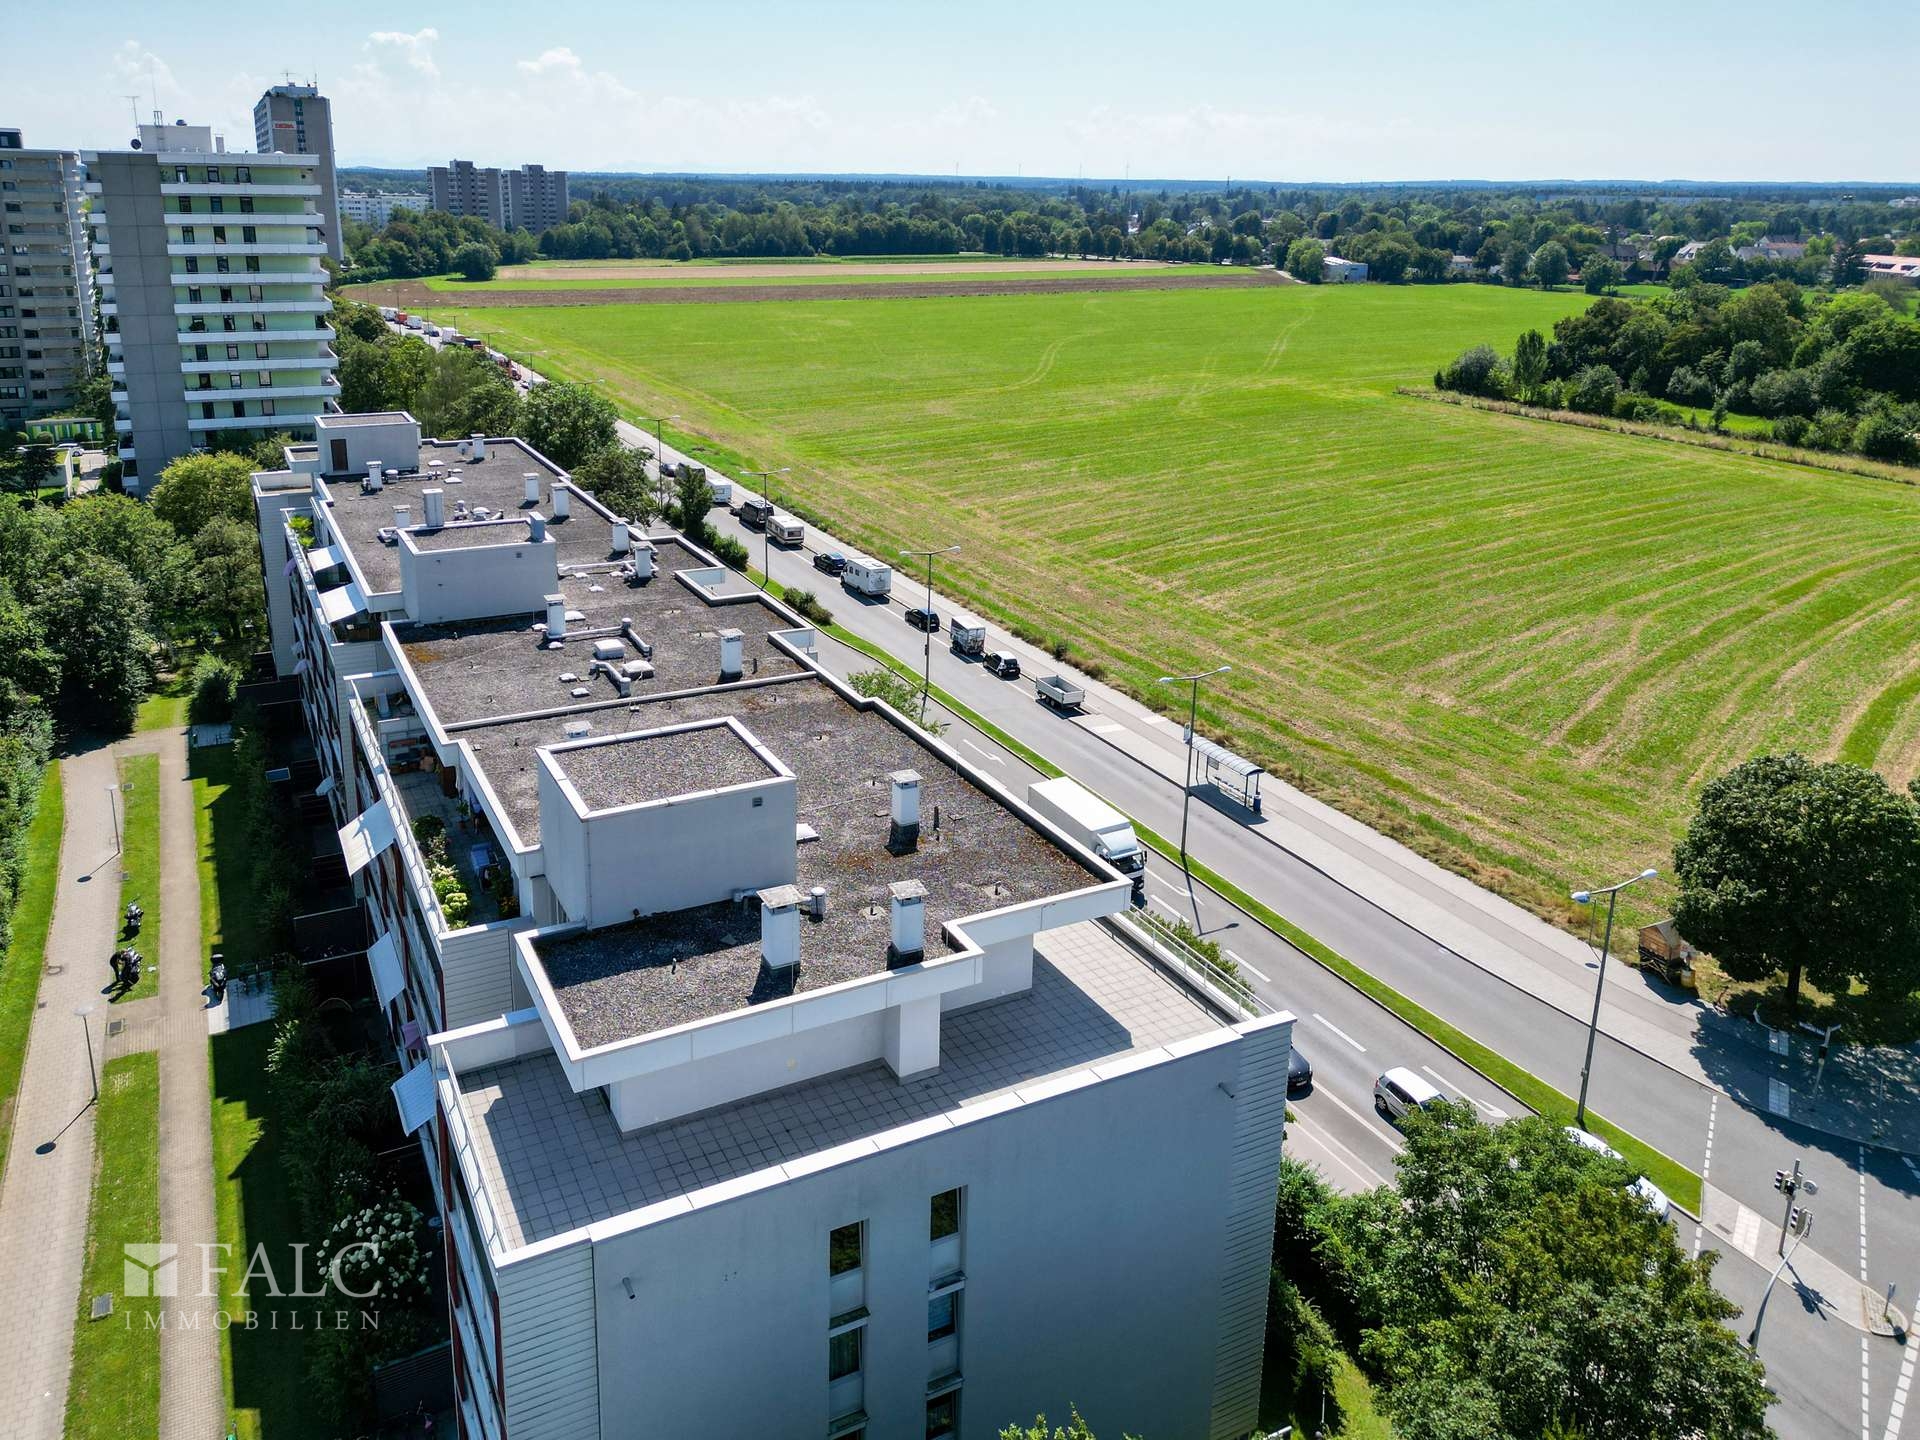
{"points": [[1801, 1222], [1780, 1180]]}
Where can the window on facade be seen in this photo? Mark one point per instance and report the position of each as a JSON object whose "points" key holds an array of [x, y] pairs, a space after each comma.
{"points": [[239, 409], [233, 352], [193, 264], [235, 380], [259, 322], [253, 264], [206, 410], [229, 323], [260, 350], [179, 174], [222, 264], [256, 294], [186, 235], [206, 382], [219, 234], [243, 175], [226, 294], [266, 379], [266, 407], [199, 352], [217, 206], [843, 1353], [843, 1249], [193, 294], [944, 1215], [213, 174], [246, 204], [943, 1315], [943, 1416], [186, 204]]}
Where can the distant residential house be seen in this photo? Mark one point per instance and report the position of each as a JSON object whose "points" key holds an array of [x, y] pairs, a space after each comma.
{"points": [[1460, 264], [1338, 270], [1772, 249], [1898, 267], [1684, 255], [1625, 251]]}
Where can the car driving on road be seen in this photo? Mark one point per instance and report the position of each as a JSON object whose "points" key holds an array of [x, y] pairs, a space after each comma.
{"points": [[921, 618], [1651, 1194], [1399, 1092], [1299, 1072], [830, 562]]}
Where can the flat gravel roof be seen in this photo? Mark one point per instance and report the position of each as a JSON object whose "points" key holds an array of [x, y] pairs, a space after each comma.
{"points": [[637, 768]]}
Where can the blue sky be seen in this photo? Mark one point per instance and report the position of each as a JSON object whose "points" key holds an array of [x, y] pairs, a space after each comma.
{"points": [[1759, 90]]}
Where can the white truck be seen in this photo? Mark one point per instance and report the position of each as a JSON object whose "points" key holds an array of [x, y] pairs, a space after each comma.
{"points": [[865, 575], [783, 529], [1091, 821], [966, 635]]}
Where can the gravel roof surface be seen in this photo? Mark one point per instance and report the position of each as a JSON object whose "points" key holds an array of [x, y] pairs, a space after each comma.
{"points": [[654, 767], [670, 969]]}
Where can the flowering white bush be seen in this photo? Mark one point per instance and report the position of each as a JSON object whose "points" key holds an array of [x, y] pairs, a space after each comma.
{"points": [[383, 1246]]}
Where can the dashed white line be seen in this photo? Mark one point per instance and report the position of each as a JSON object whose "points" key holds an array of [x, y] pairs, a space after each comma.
{"points": [[1386, 1132], [979, 750], [1866, 1353], [1706, 1167], [1335, 1029], [1901, 1386], [1494, 1110], [1241, 962], [1780, 1098]]}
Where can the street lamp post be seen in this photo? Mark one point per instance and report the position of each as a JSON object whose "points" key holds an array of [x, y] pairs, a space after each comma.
{"points": [[660, 455], [926, 670], [93, 1071], [766, 532], [1586, 897], [1192, 682], [113, 809]]}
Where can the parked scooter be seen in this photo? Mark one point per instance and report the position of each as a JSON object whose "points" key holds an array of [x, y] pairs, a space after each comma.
{"points": [[219, 979], [134, 916], [126, 967]]}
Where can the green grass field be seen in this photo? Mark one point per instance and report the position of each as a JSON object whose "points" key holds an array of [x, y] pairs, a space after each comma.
{"points": [[27, 949], [453, 286], [1520, 647], [139, 802], [115, 1389]]}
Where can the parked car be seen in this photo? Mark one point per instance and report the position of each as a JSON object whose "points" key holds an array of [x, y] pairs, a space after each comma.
{"points": [[1004, 664], [1650, 1194], [1399, 1092], [1299, 1072], [921, 618], [830, 562]]}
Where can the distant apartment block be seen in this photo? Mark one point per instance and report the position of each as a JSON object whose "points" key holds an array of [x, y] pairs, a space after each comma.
{"points": [[532, 198], [375, 208], [777, 1070], [298, 120], [47, 340], [212, 294]]}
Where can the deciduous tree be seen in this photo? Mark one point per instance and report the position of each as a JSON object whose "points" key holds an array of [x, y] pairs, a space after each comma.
{"points": [[617, 477], [197, 488], [568, 422]]}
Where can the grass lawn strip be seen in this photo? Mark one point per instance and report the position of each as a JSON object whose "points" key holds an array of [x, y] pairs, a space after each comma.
{"points": [[27, 951], [1682, 1185], [114, 1391], [165, 707], [139, 802]]}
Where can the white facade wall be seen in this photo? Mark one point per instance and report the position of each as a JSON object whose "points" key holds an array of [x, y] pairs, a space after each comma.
{"points": [[466, 582]]}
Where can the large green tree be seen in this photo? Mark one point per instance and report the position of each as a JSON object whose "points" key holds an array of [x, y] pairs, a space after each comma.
{"points": [[1810, 868], [197, 488], [567, 422], [1307, 260], [1529, 364], [466, 394], [98, 621], [616, 475], [231, 593]]}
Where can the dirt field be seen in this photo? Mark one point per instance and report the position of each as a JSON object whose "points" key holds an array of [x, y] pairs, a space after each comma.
{"points": [[412, 295], [668, 270]]}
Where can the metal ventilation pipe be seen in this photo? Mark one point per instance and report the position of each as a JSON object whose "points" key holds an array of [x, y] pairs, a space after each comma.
{"points": [[905, 831], [643, 561], [556, 616], [817, 902], [622, 538], [562, 502], [435, 502], [908, 904], [730, 648], [532, 480], [478, 445], [780, 927]]}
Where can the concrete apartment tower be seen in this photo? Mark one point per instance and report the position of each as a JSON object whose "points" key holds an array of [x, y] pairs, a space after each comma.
{"points": [[217, 321], [47, 341], [536, 198], [298, 120], [532, 198]]}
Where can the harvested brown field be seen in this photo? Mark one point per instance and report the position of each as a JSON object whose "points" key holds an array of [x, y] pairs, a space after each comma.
{"points": [[555, 271]]}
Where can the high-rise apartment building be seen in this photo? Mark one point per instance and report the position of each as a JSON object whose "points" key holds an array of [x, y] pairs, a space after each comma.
{"points": [[298, 120], [531, 198], [212, 294], [47, 341], [779, 1071]]}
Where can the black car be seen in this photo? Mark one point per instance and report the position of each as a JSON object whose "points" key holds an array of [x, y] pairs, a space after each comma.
{"points": [[923, 619], [832, 562], [1299, 1072]]}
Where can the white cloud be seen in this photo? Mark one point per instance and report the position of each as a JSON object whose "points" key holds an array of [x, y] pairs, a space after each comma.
{"points": [[416, 48], [558, 58]]}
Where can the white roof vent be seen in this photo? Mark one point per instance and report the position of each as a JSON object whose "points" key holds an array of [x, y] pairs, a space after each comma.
{"points": [[578, 729]]}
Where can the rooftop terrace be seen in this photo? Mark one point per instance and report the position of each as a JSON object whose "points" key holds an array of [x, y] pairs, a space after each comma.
{"points": [[552, 1160], [973, 855]]}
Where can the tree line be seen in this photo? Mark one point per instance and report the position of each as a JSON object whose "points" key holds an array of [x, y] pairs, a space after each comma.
{"points": [[1827, 370]]}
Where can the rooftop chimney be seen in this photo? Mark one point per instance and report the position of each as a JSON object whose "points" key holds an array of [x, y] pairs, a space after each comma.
{"points": [[780, 927], [532, 479], [478, 445], [730, 654], [536, 526], [562, 502], [909, 909], [905, 832], [556, 616], [643, 561], [622, 538], [403, 516], [435, 505], [373, 477]]}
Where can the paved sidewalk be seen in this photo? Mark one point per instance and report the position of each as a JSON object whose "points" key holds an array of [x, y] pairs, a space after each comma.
{"points": [[49, 1178], [1842, 1295]]}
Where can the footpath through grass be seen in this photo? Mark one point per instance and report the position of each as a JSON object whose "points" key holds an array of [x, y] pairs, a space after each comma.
{"points": [[139, 802], [27, 950], [1682, 1185], [114, 1391]]}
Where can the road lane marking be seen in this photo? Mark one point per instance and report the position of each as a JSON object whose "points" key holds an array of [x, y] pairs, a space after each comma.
{"points": [[1780, 1041], [1901, 1387], [1376, 1126], [1780, 1098], [979, 751], [1494, 1110], [1866, 1353], [1325, 1141], [1341, 1033], [1258, 975], [1746, 1233], [1912, 1168], [1706, 1166]]}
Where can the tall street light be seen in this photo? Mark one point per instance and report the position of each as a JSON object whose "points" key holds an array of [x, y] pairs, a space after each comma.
{"points": [[1192, 682], [1587, 897], [766, 530], [660, 454], [926, 671]]}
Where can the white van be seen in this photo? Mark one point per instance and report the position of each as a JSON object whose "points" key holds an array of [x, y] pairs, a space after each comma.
{"points": [[1400, 1092]]}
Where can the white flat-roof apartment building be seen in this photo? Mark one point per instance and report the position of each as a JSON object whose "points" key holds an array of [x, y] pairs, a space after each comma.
{"points": [[47, 342], [212, 294], [532, 198], [376, 207], [780, 1072], [298, 120]]}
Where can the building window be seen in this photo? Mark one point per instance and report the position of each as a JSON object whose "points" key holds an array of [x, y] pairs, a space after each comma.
{"points": [[206, 410], [944, 1215], [222, 264], [234, 380], [219, 234], [186, 235], [843, 1249], [266, 379], [256, 294], [213, 174], [193, 294], [246, 204], [229, 323], [259, 322], [199, 352], [193, 264], [233, 352], [243, 175], [186, 204], [226, 294], [217, 206], [179, 174], [266, 407], [206, 382], [260, 350], [253, 264], [239, 409], [843, 1353], [943, 1416], [943, 1316], [248, 235]]}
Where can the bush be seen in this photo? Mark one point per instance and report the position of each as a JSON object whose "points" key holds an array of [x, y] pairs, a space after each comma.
{"points": [[1832, 430], [729, 552], [1783, 392], [898, 691], [1689, 387], [808, 606], [1594, 390], [215, 682], [475, 261], [1629, 406], [1792, 429], [1885, 435], [1477, 371]]}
